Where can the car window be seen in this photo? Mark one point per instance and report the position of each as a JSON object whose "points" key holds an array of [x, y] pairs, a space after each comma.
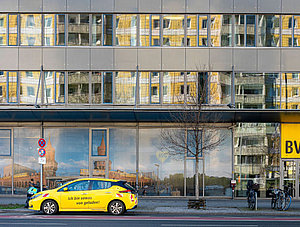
{"points": [[78, 186], [97, 185]]}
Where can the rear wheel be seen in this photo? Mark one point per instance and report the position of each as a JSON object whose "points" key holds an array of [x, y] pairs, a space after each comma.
{"points": [[49, 207], [116, 207]]}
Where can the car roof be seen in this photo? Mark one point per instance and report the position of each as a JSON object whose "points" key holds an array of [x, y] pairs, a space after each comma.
{"points": [[102, 179]]}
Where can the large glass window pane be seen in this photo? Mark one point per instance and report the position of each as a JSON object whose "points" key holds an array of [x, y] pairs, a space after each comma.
{"points": [[60, 87], [108, 30], [78, 87], [26, 166], [220, 88], [145, 29], [250, 30], [296, 31], [268, 30], [67, 154], [99, 142], [5, 176], [173, 30], [203, 30], [126, 29], [122, 154], [191, 29], [154, 88], [290, 90], [107, 87], [13, 24], [78, 29], [155, 30], [287, 30], [160, 174], [221, 30], [257, 157], [239, 30], [97, 24], [125, 85], [5, 142], [12, 86], [144, 87], [96, 87], [49, 92], [3, 86], [257, 90], [54, 30], [173, 87], [3, 29], [29, 86], [31, 29]]}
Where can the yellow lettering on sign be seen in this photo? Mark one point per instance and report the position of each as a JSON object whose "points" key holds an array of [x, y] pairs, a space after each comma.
{"points": [[290, 141]]}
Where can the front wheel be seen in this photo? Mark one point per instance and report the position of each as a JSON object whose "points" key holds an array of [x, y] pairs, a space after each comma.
{"points": [[49, 207], [116, 207]]}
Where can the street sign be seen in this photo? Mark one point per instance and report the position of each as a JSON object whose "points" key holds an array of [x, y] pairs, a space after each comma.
{"points": [[42, 160], [42, 142], [42, 152]]}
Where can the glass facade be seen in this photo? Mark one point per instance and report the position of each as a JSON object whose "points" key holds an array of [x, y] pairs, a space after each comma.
{"points": [[54, 30], [173, 30], [78, 87], [126, 30], [78, 29], [31, 29]]}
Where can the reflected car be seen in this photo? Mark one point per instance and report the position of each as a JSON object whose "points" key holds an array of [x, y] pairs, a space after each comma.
{"points": [[89, 194]]}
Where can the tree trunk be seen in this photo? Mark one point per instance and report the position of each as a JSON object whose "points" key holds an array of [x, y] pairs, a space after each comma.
{"points": [[197, 178]]}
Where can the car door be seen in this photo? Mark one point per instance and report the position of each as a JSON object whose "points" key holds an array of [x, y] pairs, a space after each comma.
{"points": [[75, 195], [102, 194]]}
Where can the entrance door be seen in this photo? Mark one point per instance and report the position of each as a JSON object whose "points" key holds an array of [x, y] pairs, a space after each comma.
{"points": [[290, 174]]}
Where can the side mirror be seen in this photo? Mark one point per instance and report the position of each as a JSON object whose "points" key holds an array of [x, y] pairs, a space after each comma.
{"points": [[66, 189]]}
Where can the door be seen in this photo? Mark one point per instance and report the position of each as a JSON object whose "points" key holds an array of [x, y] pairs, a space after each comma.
{"points": [[290, 173], [102, 194]]}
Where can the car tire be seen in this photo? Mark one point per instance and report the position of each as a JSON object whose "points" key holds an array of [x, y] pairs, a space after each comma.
{"points": [[49, 207], [116, 207]]}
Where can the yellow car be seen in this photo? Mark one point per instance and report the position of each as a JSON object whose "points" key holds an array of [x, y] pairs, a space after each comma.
{"points": [[90, 194]]}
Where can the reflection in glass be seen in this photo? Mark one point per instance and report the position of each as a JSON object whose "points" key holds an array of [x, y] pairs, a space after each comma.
{"points": [[54, 29], [107, 87], [13, 24], [144, 87], [220, 88], [191, 87], [290, 91], [78, 87], [5, 142], [29, 81], [268, 30], [126, 29], [203, 30], [99, 142], [191, 29], [108, 30], [296, 40], [49, 94], [287, 30], [245, 32], [154, 88], [144, 30], [3, 85], [122, 154], [97, 29], [257, 90], [59, 87], [221, 30], [173, 30], [3, 29], [78, 29], [173, 82], [31, 29], [96, 87], [125, 86], [155, 30], [257, 157], [5, 176], [12, 87]]}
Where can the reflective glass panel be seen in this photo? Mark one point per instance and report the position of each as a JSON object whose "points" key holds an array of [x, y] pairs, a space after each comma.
{"points": [[172, 87], [3, 86], [239, 30], [290, 90], [60, 87], [3, 29], [154, 87], [122, 154], [296, 31], [49, 92], [126, 29], [78, 29], [257, 157], [191, 89], [203, 30], [78, 87], [5, 176], [287, 30], [155, 30], [26, 166], [29, 86], [99, 142], [5, 142], [96, 87], [13, 24], [191, 30], [173, 30], [97, 24], [108, 30], [12, 86], [257, 90], [220, 88], [160, 174], [221, 30], [250, 30], [67, 154], [125, 86], [31, 29], [268, 30], [144, 87], [54, 30], [145, 29], [107, 87]]}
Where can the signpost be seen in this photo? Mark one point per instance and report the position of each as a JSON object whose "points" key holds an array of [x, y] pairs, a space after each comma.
{"points": [[42, 159]]}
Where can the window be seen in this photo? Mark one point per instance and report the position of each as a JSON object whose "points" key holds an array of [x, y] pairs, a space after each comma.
{"points": [[126, 30], [295, 91], [295, 75], [182, 89], [31, 34], [78, 30], [29, 74], [173, 31], [30, 91], [268, 30], [98, 185], [48, 22], [166, 23], [1, 22], [97, 29], [78, 186], [99, 142], [204, 24], [156, 23], [48, 92], [154, 91], [30, 21], [1, 92]]}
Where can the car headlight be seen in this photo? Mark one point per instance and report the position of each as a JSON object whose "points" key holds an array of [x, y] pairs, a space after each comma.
{"points": [[35, 196]]}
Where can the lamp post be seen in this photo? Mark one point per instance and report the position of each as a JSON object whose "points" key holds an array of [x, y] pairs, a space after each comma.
{"points": [[157, 178]]}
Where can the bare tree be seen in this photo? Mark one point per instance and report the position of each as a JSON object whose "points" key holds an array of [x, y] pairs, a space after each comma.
{"points": [[195, 132]]}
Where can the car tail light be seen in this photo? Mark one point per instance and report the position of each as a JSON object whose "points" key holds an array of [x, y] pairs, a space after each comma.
{"points": [[126, 191]]}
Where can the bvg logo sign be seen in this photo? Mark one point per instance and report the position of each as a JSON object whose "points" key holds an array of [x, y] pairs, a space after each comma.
{"points": [[290, 140]]}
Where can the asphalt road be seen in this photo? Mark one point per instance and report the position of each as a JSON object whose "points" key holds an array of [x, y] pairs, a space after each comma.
{"points": [[140, 220]]}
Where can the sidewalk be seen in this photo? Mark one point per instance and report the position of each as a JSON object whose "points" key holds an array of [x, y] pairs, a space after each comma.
{"points": [[178, 206]]}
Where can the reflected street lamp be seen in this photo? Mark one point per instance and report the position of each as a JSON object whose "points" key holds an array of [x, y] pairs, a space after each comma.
{"points": [[157, 178]]}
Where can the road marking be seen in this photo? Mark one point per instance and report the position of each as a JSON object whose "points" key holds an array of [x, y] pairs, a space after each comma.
{"points": [[25, 223], [205, 225]]}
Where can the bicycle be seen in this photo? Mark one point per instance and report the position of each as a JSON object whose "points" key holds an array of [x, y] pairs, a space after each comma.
{"points": [[282, 199], [252, 195]]}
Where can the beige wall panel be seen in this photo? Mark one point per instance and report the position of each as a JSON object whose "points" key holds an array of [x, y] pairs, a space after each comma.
{"points": [[102, 59], [149, 59], [54, 5], [221, 6], [126, 6], [290, 6], [125, 59], [102, 6], [30, 58], [269, 6], [197, 6], [78, 59], [269, 60], [290, 60], [221, 59], [153, 6], [78, 6], [30, 5], [54, 58], [9, 6], [173, 6], [173, 59], [245, 6], [9, 58], [197, 59], [245, 59]]}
